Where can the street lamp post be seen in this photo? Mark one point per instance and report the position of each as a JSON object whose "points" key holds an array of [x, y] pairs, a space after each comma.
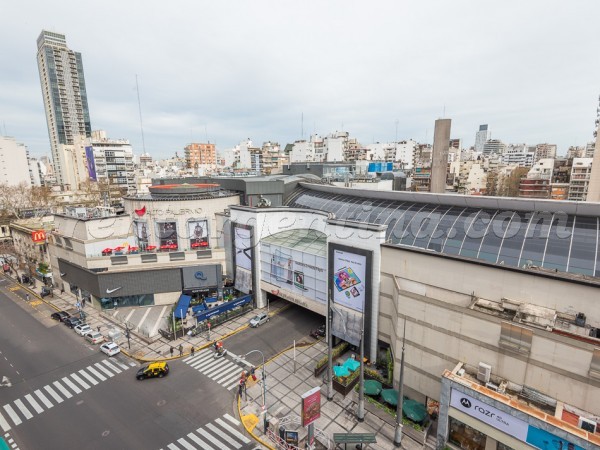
{"points": [[264, 394], [399, 425]]}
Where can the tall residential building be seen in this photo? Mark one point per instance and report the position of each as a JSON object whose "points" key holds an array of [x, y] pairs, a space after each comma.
{"points": [[545, 151], [492, 146], [112, 162], [200, 156], [481, 137], [66, 106], [581, 179], [593, 194], [14, 162], [439, 156]]}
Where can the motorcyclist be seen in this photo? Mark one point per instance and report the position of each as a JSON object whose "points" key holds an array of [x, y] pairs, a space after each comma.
{"points": [[218, 347]]}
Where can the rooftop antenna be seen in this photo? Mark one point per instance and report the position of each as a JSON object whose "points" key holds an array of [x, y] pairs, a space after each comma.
{"points": [[206, 134], [137, 87], [302, 126]]}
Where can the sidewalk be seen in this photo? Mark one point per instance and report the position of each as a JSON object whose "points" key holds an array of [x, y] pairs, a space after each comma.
{"points": [[284, 389]]}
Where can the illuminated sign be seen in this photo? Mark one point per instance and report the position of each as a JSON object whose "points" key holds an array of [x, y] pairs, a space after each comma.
{"points": [[38, 237]]}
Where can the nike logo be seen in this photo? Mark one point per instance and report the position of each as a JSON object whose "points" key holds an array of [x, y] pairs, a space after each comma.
{"points": [[110, 291]]}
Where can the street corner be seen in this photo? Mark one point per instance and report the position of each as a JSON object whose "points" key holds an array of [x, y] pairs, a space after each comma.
{"points": [[250, 421]]}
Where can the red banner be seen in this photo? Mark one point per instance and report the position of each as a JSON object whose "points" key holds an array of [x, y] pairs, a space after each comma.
{"points": [[38, 237]]}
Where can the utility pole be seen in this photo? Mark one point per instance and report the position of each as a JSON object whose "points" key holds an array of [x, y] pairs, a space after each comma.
{"points": [[399, 425]]}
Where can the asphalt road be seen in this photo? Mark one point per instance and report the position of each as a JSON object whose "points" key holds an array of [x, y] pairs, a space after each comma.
{"points": [[63, 393]]}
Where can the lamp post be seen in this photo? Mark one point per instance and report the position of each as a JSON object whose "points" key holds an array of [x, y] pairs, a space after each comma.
{"points": [[398, 430], [264, 379]]}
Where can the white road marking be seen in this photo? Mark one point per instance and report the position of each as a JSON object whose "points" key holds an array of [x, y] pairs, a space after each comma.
{"points": [[62, 389], [72, 385], [226, 374], [203, 445], [233, 431], [216, 368], [80, 381], [233, 420], [96, 373], [223, 436], [186, 444], [44, 399], [12, 414], [104, 369], [202, 367], [202, 360], [108, 364], [4, 424], [172, 447], [239, 359], [36, 405], [53, 393], [233, 386], [212, 439], [88, 377], [121, 365], [23, 409]]}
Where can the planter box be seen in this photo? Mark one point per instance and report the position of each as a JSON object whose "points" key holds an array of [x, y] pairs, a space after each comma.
{"points": [[320, 370], [344, 389]]}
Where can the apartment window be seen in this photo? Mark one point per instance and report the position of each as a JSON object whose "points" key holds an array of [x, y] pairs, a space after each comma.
{"points": [[515, 338], [68, 243]]}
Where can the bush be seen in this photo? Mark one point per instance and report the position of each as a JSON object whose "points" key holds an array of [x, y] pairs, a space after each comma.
{"points": [[335, 352]]}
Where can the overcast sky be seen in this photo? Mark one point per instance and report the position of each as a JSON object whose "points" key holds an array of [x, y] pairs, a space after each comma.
{"points": [[224, 71]]}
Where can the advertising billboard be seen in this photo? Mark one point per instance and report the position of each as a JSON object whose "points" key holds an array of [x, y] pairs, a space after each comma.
{"points": [[311, 406], [296, 271], [349, 279], [91, 163], [198, 233], [243, 255], [141, 234], [167, 235]]}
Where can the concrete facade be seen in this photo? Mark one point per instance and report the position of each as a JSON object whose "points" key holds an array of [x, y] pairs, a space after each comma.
{"points": [[439, 156], [14, 162]]}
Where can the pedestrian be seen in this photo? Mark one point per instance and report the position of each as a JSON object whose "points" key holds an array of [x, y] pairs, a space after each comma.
{"points": [[98, 328], [62, 289], [180, 349], [27, 297], [172, 350], [192, 350], [252, 373]]}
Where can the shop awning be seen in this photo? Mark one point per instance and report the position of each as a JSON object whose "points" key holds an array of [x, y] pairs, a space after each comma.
{"points": [[182, 306]]}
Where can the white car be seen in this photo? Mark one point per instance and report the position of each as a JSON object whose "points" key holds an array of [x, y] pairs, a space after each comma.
{"points": [[110, 348], [82, 329], [94, 337], [259, 319]]}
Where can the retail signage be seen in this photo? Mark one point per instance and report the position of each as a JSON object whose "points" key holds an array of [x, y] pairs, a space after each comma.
{"points": [[243, 254], [38, 237], [349, 279], [488, 414], [195, 277], [311, 406], [91, 163]]}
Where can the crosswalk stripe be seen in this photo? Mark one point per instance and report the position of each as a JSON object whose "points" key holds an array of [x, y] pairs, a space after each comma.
{"points": [[223, 436], [186, 444], [96, 373], [201, 361], [212, 439], [132, 364], [88, 377], [233, 386], [62, 389], [104, 370], [204, 367], [80, 381], [216, 368], [23, 409], [197, 355], [120, 364], [172, 447], [225, 375], [232, 378], [44, 399], [36, 405], [233, 431], [107, 363], [53, 393], [12, 414], [233, 420], [4, 424], [203, 445], [72, 385]]}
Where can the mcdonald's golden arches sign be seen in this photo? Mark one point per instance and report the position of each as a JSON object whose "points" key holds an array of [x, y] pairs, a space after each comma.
{"points": [[38, 237]]}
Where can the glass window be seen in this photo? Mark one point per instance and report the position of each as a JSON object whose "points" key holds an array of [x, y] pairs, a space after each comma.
{"points": [[490, 246], [583, 246], [559, 243], [458, 231], [535, 239], [401, 230], [418, 222], [514, 236], [429, 225], [441, 231], [465, 436], [475, 233]]}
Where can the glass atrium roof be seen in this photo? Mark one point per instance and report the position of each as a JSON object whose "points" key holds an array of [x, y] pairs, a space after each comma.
{"points": [[553, 240], [310, 241]]}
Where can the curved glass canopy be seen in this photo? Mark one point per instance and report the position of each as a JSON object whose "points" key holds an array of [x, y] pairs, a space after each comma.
{"points": [[560, 241]]}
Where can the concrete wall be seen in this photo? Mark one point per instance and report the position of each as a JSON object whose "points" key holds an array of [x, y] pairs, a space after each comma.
{"points": [[439, 156], [432, 294]]}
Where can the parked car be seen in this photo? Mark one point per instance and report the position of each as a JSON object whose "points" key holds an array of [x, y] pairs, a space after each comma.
{"points": [[319, 332], [46, 291], [94, 337], [156, 369], [72, 321], [259, 319], [82, 329], [60, 315], [110, 348]]}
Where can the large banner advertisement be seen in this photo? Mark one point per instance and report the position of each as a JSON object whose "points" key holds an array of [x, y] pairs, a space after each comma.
{"points": [[91, 163], [292, 270], [167, 235], [349, 279], [311, 406], [198, 233], [243, 254], [141, 234]]}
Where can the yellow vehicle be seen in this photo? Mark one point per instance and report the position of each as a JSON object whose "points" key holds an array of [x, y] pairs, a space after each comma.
{"points": [[156, 369]]}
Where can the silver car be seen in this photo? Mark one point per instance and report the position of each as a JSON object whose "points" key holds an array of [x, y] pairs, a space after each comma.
{"points": [[259, 319]]}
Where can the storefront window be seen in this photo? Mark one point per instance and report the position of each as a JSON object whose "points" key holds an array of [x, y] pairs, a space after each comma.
{"points": [[130, 300], [464, 436]]}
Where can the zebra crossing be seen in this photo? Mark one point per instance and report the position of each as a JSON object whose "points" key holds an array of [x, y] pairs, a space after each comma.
{"points": [[219, 434], [58, 391], [10, 441], [221, 370]]}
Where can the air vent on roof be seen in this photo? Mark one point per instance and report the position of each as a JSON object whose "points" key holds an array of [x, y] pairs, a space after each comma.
{"points": [[587, 424], [484, 373]]}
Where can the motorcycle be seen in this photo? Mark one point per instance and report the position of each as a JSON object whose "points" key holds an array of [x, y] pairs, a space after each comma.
{"points": [[220, 353]]}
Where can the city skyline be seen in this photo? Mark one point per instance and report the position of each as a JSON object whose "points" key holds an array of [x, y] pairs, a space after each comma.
{"points": [[254, 72]]}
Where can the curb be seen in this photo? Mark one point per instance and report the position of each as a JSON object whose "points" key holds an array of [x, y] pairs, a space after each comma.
{"points": [[255, 437]]}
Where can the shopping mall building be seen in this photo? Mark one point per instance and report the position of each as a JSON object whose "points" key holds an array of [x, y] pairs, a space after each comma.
{"points": [[495, 297]]}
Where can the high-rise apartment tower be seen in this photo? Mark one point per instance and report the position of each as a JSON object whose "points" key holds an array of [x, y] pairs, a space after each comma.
{"points": [[481, 137], [66, 105]]}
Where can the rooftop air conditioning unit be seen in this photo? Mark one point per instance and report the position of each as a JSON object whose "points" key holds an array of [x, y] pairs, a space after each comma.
{"points": [[484, 373], [587, 424]]}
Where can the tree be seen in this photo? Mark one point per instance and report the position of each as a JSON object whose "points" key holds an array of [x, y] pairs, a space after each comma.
{"points": [[9, 254], [23, 201], [510, 185]]}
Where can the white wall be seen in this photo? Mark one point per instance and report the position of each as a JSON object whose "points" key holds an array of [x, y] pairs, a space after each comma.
{"points": [[14, 166]]}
